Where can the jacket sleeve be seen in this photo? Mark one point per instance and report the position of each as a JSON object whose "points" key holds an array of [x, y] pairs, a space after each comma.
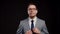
{"points": [[44, 29], [20, 29]]}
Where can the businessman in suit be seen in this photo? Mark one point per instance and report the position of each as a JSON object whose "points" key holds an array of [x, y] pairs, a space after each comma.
{"points": [[32, 25]]}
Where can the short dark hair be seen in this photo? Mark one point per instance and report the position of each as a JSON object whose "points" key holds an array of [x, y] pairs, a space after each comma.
{"points": [[32, 3]]}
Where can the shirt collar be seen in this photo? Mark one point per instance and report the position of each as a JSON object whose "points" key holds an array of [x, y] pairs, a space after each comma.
{"points": [[33, 18]]}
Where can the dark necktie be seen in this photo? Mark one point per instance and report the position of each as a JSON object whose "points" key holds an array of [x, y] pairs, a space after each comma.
{"points": [[32, 24]]}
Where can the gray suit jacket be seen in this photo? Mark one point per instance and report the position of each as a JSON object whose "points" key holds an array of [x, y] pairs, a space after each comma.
{"points": [[24, 26]]}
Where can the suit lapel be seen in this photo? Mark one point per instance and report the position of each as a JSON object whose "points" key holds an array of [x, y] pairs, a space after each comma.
{"points": [[36, 25], [26, 25]]}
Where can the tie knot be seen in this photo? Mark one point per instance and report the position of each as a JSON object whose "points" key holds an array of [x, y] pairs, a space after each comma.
{"points": [[32, 21]]}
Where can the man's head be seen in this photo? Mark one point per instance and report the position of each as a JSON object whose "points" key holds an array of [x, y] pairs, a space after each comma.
{"points": [[32, 10]]}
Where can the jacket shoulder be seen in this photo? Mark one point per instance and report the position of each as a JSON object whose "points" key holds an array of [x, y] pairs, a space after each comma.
{"points": [[41, 20], [23, 20]]}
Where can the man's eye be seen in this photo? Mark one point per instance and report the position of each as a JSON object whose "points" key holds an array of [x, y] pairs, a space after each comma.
{"points": [[32, 9]]}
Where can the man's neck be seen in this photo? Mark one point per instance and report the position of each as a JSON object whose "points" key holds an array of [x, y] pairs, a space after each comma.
{"points": [[32, 17]]}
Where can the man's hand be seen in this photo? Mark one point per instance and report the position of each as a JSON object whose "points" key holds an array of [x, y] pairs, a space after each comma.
{"points": [[29, 32], [36, 30]]}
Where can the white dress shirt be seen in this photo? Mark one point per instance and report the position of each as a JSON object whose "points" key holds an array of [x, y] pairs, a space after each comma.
{"points": [[34, 19]]}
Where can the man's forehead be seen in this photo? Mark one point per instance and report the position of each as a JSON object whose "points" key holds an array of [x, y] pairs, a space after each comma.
{"points": [[31, 6]]}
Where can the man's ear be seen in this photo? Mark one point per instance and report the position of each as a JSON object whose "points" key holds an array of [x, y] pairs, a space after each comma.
{"points": [[36, 11]]}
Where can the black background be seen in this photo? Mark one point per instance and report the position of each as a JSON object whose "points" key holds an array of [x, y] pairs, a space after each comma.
{"points": [[12, 11]]}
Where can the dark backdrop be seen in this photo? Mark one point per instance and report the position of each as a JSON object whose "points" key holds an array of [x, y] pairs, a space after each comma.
{"points": [[15, 10]]}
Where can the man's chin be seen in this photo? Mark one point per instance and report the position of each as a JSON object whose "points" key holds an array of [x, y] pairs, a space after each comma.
{"points": [[32, 16]]}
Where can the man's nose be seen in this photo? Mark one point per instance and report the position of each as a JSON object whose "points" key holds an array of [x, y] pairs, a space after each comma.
{"points": [[31, 10]]}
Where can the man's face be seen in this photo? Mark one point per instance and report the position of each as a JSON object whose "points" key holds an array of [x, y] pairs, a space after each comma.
{"points": [[32, 10]]}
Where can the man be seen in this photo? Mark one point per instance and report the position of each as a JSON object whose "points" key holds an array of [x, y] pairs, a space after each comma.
{"points": [[32, 25]]}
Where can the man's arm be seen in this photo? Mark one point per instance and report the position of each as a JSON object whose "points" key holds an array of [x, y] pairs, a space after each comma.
{"points": [[44, 29], [20, 29]]}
